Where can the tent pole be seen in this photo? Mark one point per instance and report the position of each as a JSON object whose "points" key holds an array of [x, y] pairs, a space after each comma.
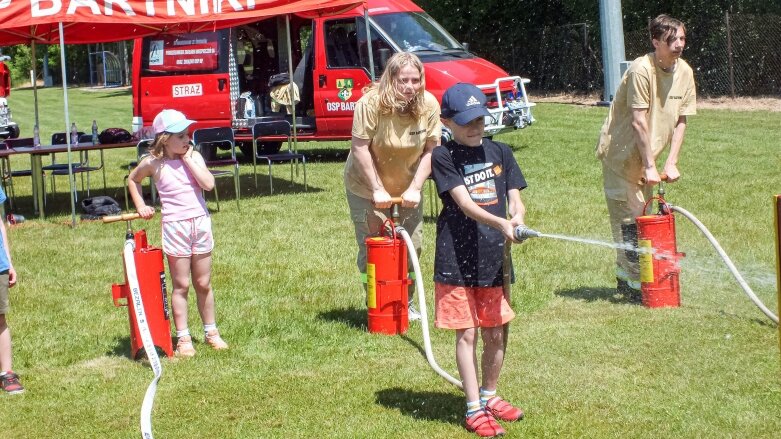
{"points": [[292, 84], [35, 81], [67, 125]]}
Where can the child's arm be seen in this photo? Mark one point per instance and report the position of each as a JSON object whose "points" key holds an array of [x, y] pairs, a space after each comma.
{"points": [[194, 160], [516, 207], [144, 169], [472, 210], [11, 271]]}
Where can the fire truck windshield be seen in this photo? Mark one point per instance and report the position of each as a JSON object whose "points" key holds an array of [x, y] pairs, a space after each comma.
{"points": [[416, 32]]}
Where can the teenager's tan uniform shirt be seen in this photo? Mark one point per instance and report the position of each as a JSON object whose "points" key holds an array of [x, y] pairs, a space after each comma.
{"points": [[667, 96], [397, 142]]}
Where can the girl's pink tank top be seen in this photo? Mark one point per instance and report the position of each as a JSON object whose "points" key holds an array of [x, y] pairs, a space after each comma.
{"points": [[180, 196]]}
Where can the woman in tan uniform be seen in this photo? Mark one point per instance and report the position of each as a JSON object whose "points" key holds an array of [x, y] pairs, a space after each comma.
{"points": [[395, 128]]}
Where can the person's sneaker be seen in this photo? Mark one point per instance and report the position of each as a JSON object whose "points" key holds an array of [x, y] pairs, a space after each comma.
{"points": [[503, 410], [184, 347], [483, 424], [215, 341], [11, 384], [412, 313]]}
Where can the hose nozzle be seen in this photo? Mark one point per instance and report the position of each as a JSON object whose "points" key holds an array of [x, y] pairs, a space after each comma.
{"points": [[523, 233]]}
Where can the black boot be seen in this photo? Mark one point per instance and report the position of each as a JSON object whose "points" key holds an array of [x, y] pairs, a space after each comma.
{"points": [[630, 294]]}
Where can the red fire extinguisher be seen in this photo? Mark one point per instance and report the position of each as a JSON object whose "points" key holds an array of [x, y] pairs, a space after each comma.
{"points": [[658, 257], [150, 272], [387, 282]]}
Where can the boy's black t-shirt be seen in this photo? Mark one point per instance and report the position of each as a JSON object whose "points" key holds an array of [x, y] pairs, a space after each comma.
{"points": [[469, 253]]}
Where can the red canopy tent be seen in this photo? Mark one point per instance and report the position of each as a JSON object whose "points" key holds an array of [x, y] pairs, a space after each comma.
{"points": [[94, 21], [103, 21]]}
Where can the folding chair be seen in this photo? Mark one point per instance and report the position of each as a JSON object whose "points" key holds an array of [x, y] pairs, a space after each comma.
{"points": [[58, 139], [217, 136], [81, 168], [142, 150], [275, 128], [8, 174]]}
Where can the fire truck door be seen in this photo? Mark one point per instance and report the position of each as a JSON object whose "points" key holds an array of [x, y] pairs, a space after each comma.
{"points": [[339, 76]]}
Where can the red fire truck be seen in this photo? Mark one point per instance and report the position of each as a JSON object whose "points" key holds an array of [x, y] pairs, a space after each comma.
{"points": [[227, 77]]}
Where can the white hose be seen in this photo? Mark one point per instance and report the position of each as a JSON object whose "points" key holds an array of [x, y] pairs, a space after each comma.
{"points": [[146, 338], [728, 262], [422, 308]]}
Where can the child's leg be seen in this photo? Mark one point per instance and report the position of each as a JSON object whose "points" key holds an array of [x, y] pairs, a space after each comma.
{"points": [[5, 345], [180, 276], [492, 361], [493, 356], [477, 420], [201, 266], [201, 269], [466, 360]]}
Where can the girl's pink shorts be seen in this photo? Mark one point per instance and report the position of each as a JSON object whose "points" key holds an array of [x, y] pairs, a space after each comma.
{"points": [[188, 237]]}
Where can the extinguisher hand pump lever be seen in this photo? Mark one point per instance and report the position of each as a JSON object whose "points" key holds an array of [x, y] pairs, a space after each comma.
{"points": [[124, 217], [662, 177]]}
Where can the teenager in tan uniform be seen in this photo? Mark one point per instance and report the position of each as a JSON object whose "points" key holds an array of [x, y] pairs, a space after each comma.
{"points": [[648, 113], [395, 128]]}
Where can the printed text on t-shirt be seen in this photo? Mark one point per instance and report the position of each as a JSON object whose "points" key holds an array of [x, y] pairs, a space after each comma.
{"points": [[479, 181]]}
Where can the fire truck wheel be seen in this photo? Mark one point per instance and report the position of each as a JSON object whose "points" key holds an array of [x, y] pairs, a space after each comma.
{"points": [[263, 148], [209, 152], [13, 131]]}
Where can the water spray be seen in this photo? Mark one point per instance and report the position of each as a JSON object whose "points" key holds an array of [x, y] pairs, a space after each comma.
{"points": [[658, 255]]}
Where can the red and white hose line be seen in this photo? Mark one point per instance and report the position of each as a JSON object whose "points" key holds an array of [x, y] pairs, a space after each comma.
{"points": [[146, 338]]}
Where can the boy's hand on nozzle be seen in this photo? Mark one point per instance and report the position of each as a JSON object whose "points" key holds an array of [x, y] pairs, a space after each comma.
{"points": [[146, 212], [522, 233], [515, 222], [381, 199], [410, 198], [507, 230]]}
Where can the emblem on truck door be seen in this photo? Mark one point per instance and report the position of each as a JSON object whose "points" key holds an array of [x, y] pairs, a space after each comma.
{"points": [[345, 87]]}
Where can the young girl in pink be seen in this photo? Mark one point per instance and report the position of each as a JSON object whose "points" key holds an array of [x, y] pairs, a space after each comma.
{"points": [[181, 176]]}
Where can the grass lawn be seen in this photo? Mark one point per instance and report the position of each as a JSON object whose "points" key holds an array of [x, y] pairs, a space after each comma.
{"points": [[581, 361]]}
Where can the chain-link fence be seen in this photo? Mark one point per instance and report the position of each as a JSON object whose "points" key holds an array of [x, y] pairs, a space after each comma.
{"points": [[737, 55]]}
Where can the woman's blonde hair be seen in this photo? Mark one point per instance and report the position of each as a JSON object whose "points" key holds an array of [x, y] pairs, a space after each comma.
{"points": [[390, 100]]}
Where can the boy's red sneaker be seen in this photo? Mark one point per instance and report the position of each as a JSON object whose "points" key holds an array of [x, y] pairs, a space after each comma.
{"points": [[10, 383], [483, 424], [503, 410]]}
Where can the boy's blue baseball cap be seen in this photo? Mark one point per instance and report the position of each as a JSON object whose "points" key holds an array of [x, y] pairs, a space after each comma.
{"points": [[463, 103]]}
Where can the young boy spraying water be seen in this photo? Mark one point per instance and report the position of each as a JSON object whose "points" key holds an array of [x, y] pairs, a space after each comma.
{"points": [[479, 181]]}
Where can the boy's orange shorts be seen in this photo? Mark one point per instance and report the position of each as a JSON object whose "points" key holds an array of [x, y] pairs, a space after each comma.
{"points": [[460, 307]]}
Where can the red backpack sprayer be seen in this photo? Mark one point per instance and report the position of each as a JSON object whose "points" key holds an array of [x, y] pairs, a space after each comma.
{"points": [[145, 296]]}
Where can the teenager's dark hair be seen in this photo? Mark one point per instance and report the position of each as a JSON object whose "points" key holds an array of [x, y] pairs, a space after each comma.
{"points": [[665, 28]]}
